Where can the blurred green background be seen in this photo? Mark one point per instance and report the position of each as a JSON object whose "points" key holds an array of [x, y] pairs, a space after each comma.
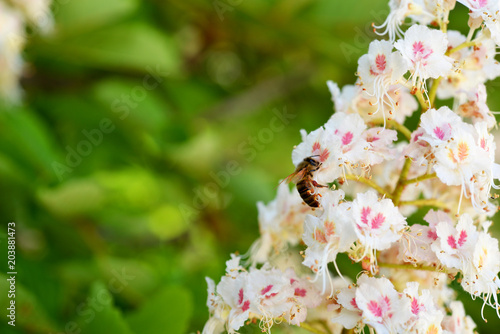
{"points": [[148, 132]]}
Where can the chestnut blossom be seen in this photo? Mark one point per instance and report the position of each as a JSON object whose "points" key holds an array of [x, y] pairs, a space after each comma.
{"points": [[353, 99], [377, 223], [378, 175], [476, 108], [381, 306], [327, 235], [15, 15], [424, 51], [458, 322], [280, 223], [380, 69], [266, 293], [421, 11], [454, 244], [461, 154], [473, 66], [486, 11]]}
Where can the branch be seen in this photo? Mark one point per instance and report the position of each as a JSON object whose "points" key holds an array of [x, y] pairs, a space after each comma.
{"points": [[426, 202], [433, 91], [420, 178], [412, 267], [395, 125], [396, 194], [310, 328], [369, 183], [460, 47]]}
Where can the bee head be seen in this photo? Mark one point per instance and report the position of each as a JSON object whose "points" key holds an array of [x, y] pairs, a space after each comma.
{"points": [[313, 162]]}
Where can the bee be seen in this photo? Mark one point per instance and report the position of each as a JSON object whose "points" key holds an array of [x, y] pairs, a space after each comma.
{"points": [[303, 178]]}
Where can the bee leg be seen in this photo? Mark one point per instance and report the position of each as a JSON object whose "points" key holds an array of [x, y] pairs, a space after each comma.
{"points": [[316, 184]]}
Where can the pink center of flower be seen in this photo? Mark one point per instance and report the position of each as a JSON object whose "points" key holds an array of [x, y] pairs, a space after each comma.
{"points": [[329, 228], [240, 296], [245, 305], [266, 289], [376, 222], [439, 132], [478, 4], [375, 308], [365, 211], [347, 138], [323, 153], [432, 235], [462, 238], [483, 144], [353, 303], [415, 306], [319, 236], [452, 242], [380, 62], [420, 52], [300, 292]]}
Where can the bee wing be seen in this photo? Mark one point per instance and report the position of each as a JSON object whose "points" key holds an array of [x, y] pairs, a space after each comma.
{"points": [[295, 176]]}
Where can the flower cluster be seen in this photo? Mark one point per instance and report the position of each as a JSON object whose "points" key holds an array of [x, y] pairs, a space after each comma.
{"points": [[373, 171], [15, 16]]}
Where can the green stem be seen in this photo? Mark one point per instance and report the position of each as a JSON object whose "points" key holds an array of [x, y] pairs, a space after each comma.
{"points": [[310, 328], [411, 267], [420, 178], [421, 100], [396, 194], [395, 125], [426, 202], [369, 183], [460, 47], [433, 91]]}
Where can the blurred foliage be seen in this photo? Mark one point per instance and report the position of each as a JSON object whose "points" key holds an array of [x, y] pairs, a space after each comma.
{"points": [[133, 167]]}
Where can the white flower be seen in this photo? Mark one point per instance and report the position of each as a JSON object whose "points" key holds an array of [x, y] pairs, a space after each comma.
{"points": [[354, 100], [421, 11], [327, 235], [346, 131], [12, 40], [377, 223], [481, 279], [37, 12], [475, 66], [350, 314], [378, 70], [458, 322], [476, 108], [454, 245], [320, 144], [381, 306], [424, 50], [280, 223], [425, 317]]}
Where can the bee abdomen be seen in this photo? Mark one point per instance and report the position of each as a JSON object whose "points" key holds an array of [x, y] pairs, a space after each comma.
{"points": [[306, 191]]}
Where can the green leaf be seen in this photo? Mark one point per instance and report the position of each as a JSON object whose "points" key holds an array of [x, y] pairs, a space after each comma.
{"points": [[30, 314], [28, 142], [99, 315], [113, 94], [73, 16], [73, 197], [133, 46], [167, 222], [169, 310]]}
